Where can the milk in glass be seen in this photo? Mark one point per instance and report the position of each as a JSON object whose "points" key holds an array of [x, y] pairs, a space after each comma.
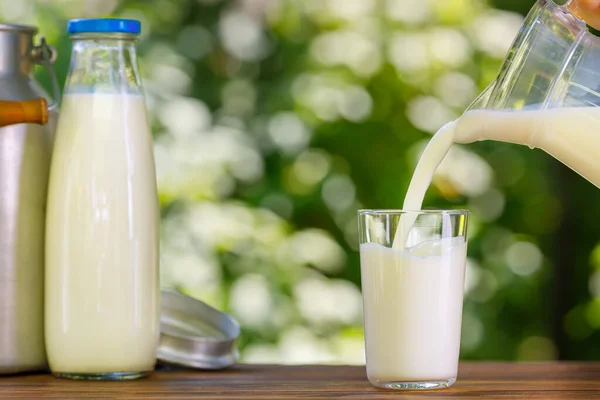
{"points": [[413, 307]]}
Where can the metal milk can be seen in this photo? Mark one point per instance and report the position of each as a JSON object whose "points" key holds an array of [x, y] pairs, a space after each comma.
{"points": [[25, 151]]}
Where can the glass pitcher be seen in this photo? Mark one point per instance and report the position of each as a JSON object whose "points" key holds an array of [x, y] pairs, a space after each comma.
{"points": [[547, 92], [553, 62], [102, 288]]}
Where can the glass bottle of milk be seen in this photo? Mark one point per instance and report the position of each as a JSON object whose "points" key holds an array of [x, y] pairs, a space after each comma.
{"points": [[102, 288]]}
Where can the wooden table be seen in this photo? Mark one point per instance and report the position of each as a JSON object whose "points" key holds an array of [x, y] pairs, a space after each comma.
{"points": [[476, 380]]}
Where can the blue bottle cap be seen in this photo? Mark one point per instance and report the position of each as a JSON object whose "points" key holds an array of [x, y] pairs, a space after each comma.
{"points": [[105, 25]]}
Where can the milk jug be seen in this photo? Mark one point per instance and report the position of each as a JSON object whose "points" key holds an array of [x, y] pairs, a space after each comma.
{"points": [[102, 288], [547, 93]]}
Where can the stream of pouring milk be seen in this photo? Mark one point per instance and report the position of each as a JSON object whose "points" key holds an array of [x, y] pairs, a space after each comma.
{"points": [[433, 155], [569, 134]]}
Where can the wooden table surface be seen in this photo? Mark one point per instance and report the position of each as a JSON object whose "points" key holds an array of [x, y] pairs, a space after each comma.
{"points": [[476, 380]]}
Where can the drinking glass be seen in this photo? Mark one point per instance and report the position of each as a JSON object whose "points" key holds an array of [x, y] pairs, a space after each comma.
{"points": [[412, 295]]}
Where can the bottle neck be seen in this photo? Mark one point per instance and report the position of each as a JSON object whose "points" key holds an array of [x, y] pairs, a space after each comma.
{"points": [[103, 63]]}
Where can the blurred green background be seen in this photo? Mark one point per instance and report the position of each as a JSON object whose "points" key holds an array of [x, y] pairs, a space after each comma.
{"points": [[275, 120]]}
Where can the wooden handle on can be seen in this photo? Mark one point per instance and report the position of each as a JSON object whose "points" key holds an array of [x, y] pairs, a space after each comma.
{"points": [[19, 112]]}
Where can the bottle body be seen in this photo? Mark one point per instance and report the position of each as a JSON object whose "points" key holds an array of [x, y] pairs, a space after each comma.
{"points": [[102, 286]]}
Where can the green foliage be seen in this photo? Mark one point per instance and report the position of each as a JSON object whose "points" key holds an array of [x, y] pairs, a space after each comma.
{"points": [[275, 121]]}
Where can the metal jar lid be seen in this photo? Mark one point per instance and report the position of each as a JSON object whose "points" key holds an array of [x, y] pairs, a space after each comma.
{"points": [[194, 334]]}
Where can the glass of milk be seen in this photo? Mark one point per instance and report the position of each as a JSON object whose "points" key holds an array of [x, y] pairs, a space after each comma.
{"points": [[412, 295], [102, 299]]}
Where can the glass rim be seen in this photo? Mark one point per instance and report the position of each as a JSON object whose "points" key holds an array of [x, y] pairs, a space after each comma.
{"points": [[368, 211]]}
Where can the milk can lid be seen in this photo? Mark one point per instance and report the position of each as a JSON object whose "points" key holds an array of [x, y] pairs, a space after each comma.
{"points": [[194, 334]]}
